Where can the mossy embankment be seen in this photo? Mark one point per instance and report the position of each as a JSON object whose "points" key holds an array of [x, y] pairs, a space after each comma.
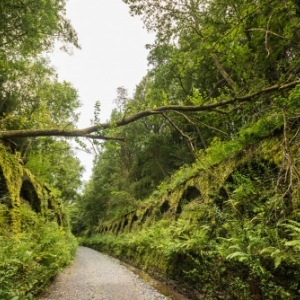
{"points": [[35, 239], [226, 227]]}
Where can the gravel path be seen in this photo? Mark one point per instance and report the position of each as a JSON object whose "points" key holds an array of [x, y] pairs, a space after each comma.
{"points": [[95, 276]]}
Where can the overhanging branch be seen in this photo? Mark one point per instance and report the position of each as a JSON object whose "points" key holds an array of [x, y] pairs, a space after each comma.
{"points": [[88, 132]]}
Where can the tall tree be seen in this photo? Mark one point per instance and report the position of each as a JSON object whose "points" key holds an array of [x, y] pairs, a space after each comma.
{"points": [[27, 29], [30, 27], [55, 164], [31, 97], [230, 57]]}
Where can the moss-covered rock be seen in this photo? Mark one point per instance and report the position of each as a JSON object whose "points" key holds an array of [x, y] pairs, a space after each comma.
{"points": [[34, 244]]}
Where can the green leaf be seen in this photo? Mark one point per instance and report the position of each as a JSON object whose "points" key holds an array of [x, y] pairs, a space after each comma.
{"points": [[277, 261], [240, 255]]}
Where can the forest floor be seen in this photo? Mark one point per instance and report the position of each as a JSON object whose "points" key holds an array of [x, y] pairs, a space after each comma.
{"points": [[96, 276]]}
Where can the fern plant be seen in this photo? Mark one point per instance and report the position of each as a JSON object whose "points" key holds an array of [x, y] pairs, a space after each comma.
{"points": [[293, 229]]}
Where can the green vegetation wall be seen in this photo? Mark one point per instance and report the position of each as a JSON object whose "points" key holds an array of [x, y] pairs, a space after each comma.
{"points": [[226, 227], [35, 240]]}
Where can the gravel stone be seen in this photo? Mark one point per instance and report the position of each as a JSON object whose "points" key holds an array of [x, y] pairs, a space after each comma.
{"points": [[96, 276]]}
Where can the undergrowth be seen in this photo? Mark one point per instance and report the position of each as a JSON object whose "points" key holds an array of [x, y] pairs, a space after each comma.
{"points": [[30, 259], [251, 263]]}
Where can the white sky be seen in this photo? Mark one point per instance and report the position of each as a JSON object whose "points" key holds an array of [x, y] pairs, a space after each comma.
{"points": [[113, 54]]}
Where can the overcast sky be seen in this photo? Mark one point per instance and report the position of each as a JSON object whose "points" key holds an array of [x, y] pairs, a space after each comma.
{"points": [[113, 54]]}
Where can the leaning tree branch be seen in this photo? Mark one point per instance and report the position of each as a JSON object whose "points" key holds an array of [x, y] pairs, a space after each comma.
{"points": [[223, 72], [185, 136], [57, 132], [89, 132]]}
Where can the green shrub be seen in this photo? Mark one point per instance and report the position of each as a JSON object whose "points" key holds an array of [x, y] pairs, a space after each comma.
{"points": [[29, 260]]}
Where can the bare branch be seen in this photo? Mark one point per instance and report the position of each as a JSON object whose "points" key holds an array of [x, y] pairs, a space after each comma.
{"points": [[204, 124], [185, 136], [267, 32], [223, 72]]}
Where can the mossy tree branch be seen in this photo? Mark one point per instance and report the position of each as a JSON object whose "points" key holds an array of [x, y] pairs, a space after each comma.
{"points": [[91, 132]]}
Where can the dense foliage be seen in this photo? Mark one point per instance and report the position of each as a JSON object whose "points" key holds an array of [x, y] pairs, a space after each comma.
{"points": [[31, 97], [240, 61], [222, 104], [225, 227], [30, 259], [205, 53], [35, 238]]}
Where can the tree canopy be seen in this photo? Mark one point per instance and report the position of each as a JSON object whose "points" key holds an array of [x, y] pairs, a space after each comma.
{"points": [[222, 92], [31, 96], [208, 55], [216, 69]]}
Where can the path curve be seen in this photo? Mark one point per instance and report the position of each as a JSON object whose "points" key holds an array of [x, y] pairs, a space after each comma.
{"points": [[95, 276]]}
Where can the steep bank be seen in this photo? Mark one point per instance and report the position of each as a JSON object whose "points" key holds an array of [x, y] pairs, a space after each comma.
{"points": [[35, 241], [226, 227]]}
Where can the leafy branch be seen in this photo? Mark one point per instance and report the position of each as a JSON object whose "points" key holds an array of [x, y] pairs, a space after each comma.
{"points": [[88, 132]]}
